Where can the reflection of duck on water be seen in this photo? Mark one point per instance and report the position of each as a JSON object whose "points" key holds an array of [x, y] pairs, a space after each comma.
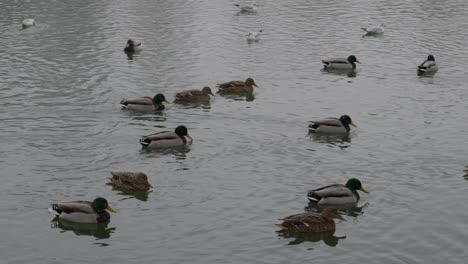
{"points": [[345, 209], [328, 237], [99, 230]]}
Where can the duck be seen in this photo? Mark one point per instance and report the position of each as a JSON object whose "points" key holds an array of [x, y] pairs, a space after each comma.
{"points": [[145, 104], [85, 212], [332, 125], [247, 7], [28, 22], [133, 46], [374, 31], [132, 181], [311, 222], [428, 66], [337, 194], [254, 36], [166, 139], [341, 63], [237, 86], [188, 96]]}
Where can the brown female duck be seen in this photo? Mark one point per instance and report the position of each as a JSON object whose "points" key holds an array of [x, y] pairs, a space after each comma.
{"points": [[237, 86], [188, 96], [132, 181], [311, 222]]}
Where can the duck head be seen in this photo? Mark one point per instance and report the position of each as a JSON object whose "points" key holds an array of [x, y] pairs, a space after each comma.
{"points": [[100, 204], [430, 58], [159, 99], [182, 131], [352, 59], [346, 120], [207, 90], [354, 184], [250, 82]]}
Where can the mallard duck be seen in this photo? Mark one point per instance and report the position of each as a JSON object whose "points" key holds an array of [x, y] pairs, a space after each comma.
{"points": [[166, 139], [332, 125], [311, 222], [428, 66], [132, 181], [337, 193], [374, 31], [340, 63], [82, 211], [254, 36], [202, 95], [145, 104], [237, 86], [247, 7], [28, 22], [133, 46]]}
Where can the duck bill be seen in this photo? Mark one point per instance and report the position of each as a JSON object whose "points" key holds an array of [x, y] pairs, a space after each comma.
{"points": [[354, 125], [189, 136], [212, 93], [363, 190], [108, 208], [167, 102], [358, 62], [254, 84]]}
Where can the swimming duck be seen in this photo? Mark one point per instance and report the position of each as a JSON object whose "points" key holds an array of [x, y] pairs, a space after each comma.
{"points": [[28, 22], [237, 86], [337, 193], [133, 46], [332, 125], [247, 7], [202, 95], [132, 181], [83, 211], [145, 104], [428, 66], [166, 139], [341, 63], [254, 36], [311, 222], [374, 31]]}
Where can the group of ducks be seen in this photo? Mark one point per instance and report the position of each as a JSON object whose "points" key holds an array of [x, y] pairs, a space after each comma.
{"points": [[328, 196]]}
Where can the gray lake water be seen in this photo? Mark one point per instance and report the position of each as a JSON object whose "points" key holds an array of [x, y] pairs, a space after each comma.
{"points": [[251, 161]]}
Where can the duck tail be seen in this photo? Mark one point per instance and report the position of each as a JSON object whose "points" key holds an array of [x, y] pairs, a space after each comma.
{"points": [[145, 141], [54, 210]]}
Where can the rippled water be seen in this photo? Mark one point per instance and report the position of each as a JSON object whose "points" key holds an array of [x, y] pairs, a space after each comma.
{"points": [[251, 161]]}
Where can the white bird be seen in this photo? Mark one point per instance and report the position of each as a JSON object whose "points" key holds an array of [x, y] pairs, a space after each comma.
{"points": [[254, 36], [28, 22], [374, 31], [251, 7]]}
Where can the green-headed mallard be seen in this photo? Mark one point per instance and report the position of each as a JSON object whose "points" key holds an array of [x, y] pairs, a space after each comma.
{"points": [[336, 194], [145, 104], [188, 96], [311, 222], [237, 86], [340, 63], [132, 181], [166, 139], [133, 46], [82, 211], [28, 22], [428, 66], [332, 125]]}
